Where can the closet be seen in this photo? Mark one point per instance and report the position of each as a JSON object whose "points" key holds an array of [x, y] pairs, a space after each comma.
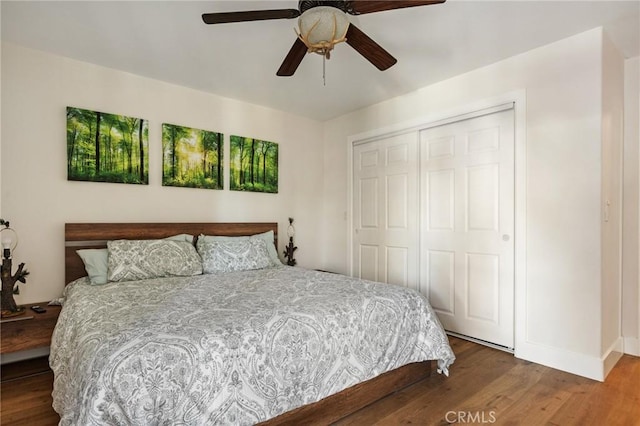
{"points": [[433, 209]]}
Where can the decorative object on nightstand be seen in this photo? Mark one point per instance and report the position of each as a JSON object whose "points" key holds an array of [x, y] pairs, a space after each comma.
{"points": [[9, 240], [288, 253]]}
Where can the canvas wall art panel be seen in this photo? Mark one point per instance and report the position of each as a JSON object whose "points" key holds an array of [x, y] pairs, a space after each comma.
{"points": [[253, 165], [191, 157], [104, 147]]}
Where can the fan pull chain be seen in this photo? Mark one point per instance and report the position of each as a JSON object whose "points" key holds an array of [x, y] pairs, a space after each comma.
{"points": [[324, 78]]}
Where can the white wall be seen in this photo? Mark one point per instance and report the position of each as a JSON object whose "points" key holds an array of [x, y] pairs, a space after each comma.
{"points": [[611, 204], [563, 85], [561, 323], [631, 234], [0, 131], [37, 198]]}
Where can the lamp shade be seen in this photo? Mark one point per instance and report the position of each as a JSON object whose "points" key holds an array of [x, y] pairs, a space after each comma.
{"points": [[322, 27]]}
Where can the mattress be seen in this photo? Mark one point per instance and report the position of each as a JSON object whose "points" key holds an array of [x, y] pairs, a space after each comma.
{"points": [[230, 348]]}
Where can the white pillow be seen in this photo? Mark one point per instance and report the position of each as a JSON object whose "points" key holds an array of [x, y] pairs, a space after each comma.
{"points": [[233, 255], [131, 260], [95, 263], [181, 237]]}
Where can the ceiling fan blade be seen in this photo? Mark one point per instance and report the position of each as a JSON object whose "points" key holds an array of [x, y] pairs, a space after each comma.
{"points": [[358, 7], [293, 59], [368, 48], [249, 15]]}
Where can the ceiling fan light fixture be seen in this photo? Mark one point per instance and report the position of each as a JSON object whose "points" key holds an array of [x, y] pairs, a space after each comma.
{"points": [[321, 28]]}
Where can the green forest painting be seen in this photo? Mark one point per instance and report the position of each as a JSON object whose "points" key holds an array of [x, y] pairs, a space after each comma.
{"points": [[191, 157], [254, 165], [105, 147]]}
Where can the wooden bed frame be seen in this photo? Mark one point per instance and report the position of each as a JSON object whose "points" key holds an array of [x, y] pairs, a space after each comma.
{"points": [[330, 409], [95, 235]]}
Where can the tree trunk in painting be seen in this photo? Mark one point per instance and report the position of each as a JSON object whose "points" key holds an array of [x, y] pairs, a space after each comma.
{"points": [[71, 149], [130, 151], [265, 152], [205, 150], [241, 168], [173, 152], [97, 143], [141, 151], [253, 155], [109, 156], [219, 165]]}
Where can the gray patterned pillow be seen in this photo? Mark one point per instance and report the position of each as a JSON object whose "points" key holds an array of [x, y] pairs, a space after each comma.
{"points": [[131, 260], [268, 238], [233, 255]]}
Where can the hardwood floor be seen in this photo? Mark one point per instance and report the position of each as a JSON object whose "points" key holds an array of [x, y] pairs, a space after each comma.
{"points": [[485, 386], [27, 401]]}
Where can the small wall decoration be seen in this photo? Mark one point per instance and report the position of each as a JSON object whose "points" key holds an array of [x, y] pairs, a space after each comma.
{"points": [[254, 165], [191, 157], [104, 147]]}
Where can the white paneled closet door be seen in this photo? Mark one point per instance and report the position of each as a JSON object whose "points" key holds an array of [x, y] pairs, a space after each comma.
{"points": [[467, 225], [385, 210]]}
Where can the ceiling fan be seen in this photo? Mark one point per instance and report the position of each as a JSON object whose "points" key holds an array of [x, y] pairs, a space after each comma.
{"points": [[322, 24]]}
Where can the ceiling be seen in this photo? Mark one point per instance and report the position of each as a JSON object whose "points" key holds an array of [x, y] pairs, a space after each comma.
{"points": [[168, 41]]}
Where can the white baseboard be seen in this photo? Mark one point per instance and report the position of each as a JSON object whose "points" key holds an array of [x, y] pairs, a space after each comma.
{"points": [[612, 356], [632, 346], [591, 367]]}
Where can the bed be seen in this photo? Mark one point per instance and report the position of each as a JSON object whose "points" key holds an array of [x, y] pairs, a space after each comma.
{"points": [[272, 345]]}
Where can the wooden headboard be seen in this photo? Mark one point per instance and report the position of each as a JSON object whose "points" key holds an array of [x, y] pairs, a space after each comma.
{"points": [[95, 235]]}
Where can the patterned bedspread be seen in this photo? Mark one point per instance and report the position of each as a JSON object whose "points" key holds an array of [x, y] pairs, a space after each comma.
{"points": [[234, 348]]}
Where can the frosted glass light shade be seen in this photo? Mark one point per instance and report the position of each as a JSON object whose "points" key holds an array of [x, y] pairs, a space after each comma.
{"points": [[322, 27]]}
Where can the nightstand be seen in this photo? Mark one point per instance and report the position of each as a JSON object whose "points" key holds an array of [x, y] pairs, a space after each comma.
{"points": [[19, 334], [27, 384]]}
